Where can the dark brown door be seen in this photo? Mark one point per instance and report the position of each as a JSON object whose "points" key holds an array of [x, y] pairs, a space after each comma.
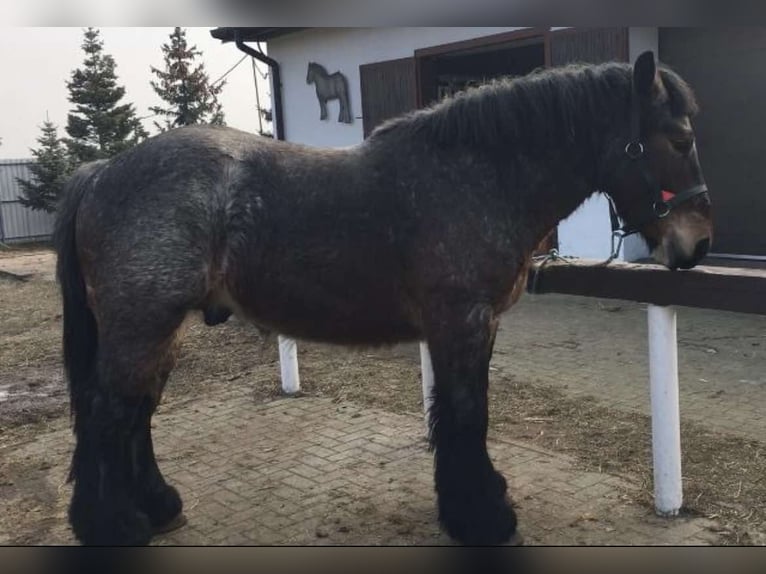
{"points": [[589, 46], [388, 89], [727, 70]]}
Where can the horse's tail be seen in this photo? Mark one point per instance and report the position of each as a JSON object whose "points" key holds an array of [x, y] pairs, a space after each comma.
{"points": [[80, 340]]}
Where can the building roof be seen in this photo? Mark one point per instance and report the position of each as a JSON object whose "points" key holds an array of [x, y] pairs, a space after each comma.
{"points": [[251, 34]]}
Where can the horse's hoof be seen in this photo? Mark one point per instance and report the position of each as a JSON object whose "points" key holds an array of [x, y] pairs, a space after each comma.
{"points": [[173, 524], [516, 540], [481, 515], [163, 506], [106, 525], [479, 522]]}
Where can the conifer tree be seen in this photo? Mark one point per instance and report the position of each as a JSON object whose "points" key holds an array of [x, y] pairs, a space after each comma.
{"points": [[50, 171], [187, 94], [99, 126]]}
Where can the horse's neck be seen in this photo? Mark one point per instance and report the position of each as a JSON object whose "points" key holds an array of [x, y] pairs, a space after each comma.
{"points": [[550, 144], [567, 170], [552, 186], [557, 192]]}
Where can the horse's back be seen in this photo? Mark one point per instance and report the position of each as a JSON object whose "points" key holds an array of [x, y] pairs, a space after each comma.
{"points": [[178, 177], [221, 220], [153, 222]]}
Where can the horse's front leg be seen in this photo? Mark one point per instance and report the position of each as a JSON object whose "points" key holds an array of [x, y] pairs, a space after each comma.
{"points": [[322, 109], [473, 507]]}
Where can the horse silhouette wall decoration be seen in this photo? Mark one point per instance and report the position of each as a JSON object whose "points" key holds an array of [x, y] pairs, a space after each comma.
{"points": [[330, 87]]}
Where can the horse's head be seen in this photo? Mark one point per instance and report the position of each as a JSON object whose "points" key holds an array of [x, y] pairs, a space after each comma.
{"points": [[312, 69], [658, 188]]}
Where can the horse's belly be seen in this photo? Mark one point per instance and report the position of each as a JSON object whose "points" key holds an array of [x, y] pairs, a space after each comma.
{"points": [[362, 329], [330, 317]]}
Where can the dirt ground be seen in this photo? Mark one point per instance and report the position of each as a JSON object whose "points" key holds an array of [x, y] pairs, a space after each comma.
{"points": [[33, 399]]}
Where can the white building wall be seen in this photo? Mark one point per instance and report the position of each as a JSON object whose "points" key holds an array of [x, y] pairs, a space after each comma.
{"points": [[344, 50], [586, 233]]}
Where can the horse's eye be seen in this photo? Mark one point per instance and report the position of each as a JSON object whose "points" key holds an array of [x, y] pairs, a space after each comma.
{"points": [[683, 146]]}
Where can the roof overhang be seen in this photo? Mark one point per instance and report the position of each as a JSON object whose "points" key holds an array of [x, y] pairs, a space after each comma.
{"points": [[251, 34]]}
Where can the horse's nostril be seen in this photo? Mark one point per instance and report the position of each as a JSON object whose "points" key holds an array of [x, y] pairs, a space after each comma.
{"points": [[701, 249]]}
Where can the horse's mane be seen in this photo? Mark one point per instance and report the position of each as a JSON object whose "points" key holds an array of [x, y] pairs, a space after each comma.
{"points": [[533, 110], [319, 67]]}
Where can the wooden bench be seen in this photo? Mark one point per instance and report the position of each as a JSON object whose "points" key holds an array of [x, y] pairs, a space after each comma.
{"points": [[722, 288], [737, 289]]}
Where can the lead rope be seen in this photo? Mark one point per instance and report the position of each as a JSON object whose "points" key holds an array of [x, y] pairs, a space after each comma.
{"points": [[618, 235], [553, 255]]}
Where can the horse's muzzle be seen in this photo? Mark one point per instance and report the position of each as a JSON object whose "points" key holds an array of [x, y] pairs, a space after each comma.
{"points": [[677, 261]]}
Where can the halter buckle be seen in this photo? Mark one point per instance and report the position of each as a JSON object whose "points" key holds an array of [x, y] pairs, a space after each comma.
{"points": [[661, 209], [634, 149]]}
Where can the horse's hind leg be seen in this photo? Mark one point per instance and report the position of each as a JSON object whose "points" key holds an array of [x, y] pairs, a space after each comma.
{"points": [[120, 496], [471, 494], [158, 500]]}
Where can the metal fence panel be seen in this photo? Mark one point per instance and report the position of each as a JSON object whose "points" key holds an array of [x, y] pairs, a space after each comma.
{"points": [[18, 223]]}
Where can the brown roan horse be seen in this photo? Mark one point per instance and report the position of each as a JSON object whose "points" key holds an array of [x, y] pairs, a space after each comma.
{"points": [[424, 231]]}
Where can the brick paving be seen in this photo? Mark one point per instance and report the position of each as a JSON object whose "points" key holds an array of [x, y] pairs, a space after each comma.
{"points": [[310, 471], [598, 348]]}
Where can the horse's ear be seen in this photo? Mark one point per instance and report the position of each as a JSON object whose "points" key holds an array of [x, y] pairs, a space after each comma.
{"points": [[646, 78]]}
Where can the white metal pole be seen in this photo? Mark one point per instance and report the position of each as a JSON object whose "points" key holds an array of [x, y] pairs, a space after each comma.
{"points": [[427, 377], [288, 365], [666, 424]]}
